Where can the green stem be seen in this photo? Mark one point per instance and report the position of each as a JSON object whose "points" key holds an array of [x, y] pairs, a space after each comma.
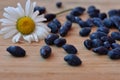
{"points": [[63, 11]]}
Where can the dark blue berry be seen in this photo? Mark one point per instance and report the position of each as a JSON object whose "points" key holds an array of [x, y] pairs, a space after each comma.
{"points": [[53, 27], [88, 44], [57, 22], [77, 11], [70, 18], [108, 38], [74, 19], [96, 43], [89, 22], [103, 29], [114, 53], [115, 45], [60, 42], [16, 51], [70, 49], [93, 12], [116, 21], [108, 23], [51, 38], [115, 35], [50, 17], [59, 4], [100, 50], [45, 51], [41, 10], [83, 24], [65, 28], [85, 31], [97, 35], [107, 44], [73, 60], [98, 22], [102, 16], [113, 12]]}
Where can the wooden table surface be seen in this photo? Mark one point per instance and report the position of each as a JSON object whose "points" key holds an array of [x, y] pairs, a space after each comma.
{"points": [[34, 67]]}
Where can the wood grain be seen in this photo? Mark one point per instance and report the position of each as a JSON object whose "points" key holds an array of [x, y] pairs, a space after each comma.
{"points": [[33, 67]]}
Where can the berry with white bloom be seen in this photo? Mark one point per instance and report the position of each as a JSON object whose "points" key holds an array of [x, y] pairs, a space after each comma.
{"points": [[23, 24]]}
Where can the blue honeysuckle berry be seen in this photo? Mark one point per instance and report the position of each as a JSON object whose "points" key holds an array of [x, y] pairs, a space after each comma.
{"points": [[45, 51], [41, 10], [101, 50], [73, 60], [70, 49], [85, 31], [49, 40], [60, 42], [16, 51], [114, 54]]}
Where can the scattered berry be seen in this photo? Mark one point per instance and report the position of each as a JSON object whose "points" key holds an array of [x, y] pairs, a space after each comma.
{"points": [[65, 28], [51, 38], [53, 27], [60, 42], [45, 51], [41, 10], [57, 22], [59, 4], [108, 38], [103, 29], [16, 51], [88, 44], [77, 11], [85, 31], [115, 45], [96, 43], [73, 60], [107, 44], [100, 50], [97, 35], [108, 23], [114, 53], [102, 16], [50, 17], [70, 49], [115, 35]]}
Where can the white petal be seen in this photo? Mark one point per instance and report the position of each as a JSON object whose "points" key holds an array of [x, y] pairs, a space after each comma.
{"points": [[28, 38], [41, 32], [44, 26], [16, 38], [12, 12], [35, 37], [6, 29], [9, 17], [40, 19], [34, 15], [21, 9], [32, 8], [10, 33], [10, 24], [7, 21], [27, 7]]}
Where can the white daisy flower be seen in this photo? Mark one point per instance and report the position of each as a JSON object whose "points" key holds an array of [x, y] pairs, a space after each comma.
{"points": [[23, 24]]}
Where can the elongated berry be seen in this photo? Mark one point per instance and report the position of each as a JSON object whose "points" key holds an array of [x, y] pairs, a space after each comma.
{"points": [[73, 60], [50, 17], [16, 51], [70, 49], [60, 42]]}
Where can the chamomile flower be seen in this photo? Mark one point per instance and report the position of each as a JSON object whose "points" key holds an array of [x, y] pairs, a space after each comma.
{"points": [[23, 24]]}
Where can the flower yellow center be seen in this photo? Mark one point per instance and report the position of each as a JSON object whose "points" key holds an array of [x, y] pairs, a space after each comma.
{"points": [[25, 25]]}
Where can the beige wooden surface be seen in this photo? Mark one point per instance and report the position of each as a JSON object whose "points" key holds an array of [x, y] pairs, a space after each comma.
{"points": [[33, 67]]}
